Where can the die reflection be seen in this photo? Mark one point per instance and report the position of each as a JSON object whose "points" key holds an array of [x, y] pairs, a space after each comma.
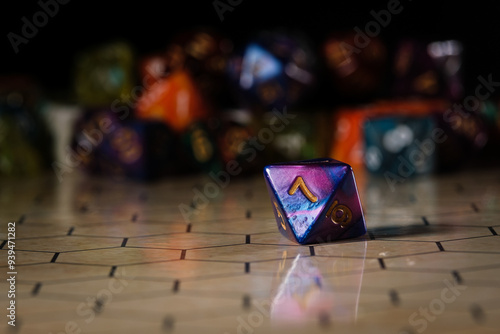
{"points": [[318, 288]]}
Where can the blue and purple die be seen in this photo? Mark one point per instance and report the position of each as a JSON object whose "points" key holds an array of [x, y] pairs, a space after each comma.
{"points": [[315, 201]]}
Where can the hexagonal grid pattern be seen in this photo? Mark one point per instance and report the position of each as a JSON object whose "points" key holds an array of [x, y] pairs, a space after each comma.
{"points": [[99, 256]]}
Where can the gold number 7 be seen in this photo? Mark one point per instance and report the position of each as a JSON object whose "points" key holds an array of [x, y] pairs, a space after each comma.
{"points": [[299, 183]]}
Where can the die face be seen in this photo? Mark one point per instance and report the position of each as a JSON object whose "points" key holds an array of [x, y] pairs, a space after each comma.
{"points": [[283, 225], [343, 216], [314, 199]]}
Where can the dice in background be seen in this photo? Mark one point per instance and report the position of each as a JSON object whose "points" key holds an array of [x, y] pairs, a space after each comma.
{"points": [[347, 137], [466, 134], [400, 145], [237, 141], [490, 114], [87, 139], [174, 100], [305, 137], [103, 74], [203, 52], [428, 69], [151, 68], [140, 150], [198, 150], [274, 70], [356, 72], [26, 143], [448, 58], [349, 125], [103, 144]]}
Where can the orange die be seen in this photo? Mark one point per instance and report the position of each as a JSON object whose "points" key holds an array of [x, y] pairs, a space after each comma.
{"points": [[174, 100]]}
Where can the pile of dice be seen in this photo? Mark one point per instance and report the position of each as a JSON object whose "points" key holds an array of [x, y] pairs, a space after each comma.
{"points": [[424, 123], [203, 104]]}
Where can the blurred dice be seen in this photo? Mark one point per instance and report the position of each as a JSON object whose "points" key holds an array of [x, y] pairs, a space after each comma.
{"points": [[86, 141], [198, 150], [151, 69], [347, 137], [490, 113], [400, 145], [26, 143], [356, 71], [200, 52], [103, 74], [103, 144], [244, 141], [465, 130], [204, 53], [174, 100], [423, 69], [447, 55], [274, 70], [138, 150], [304, 138], [234, 131], [407, 137]]}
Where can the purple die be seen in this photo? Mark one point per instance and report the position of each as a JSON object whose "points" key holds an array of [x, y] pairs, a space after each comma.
{"points": [[105, 144], [315, 200]]}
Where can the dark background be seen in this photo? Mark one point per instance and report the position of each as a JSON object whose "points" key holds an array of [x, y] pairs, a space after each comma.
{"points": [[149, 25]]}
